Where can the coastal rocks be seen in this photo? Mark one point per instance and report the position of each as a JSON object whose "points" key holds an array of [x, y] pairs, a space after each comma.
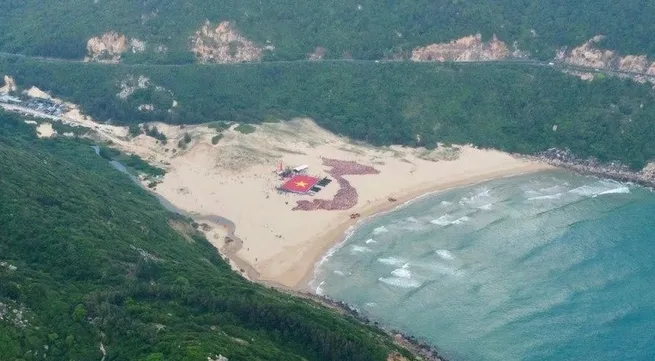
{"points": [[396, 356], [9, 87], [468, 48], [223, 44], [613, 170]]}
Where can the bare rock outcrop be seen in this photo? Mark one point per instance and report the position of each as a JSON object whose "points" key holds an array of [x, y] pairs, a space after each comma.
{"points": [[318, 53], [468, 48], [224, 45], [10, 85], [396, 356], [109, 47], [589, 55]]}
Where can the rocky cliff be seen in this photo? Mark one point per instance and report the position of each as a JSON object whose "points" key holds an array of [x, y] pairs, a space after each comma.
{"points": [[10, 85], [223, 44], [109, 47], [468, 48], [590, 55]]}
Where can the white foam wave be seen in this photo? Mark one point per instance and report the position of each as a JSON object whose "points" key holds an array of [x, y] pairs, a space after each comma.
{"points": [[546, 197], [370, 304], [412, 219], [601, 188], [445, 203], [443, 220], [619, 190], [402, 273], [486, 207], [337, 272], [445, 254], [461, 220], [400, 282], [480, 198], [392, 261], [359, 249], [371, 240], [380, 230], [319, 289]]}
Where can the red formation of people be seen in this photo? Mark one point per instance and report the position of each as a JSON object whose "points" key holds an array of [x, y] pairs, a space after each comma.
{"points": [[346, 196]]}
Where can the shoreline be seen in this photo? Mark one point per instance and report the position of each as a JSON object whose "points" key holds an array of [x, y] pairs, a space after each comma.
{"points": [[336, 236]]}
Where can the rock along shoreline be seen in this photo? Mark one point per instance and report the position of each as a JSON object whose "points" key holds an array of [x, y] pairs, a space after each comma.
{"points": [[613, 170]]}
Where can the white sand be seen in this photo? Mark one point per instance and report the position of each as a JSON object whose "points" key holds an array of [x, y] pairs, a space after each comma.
{"points": [[235, 179]]}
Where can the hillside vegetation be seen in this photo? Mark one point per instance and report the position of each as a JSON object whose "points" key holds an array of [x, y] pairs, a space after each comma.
{"points": [[513, 108], [90, 264], [363, 29]]}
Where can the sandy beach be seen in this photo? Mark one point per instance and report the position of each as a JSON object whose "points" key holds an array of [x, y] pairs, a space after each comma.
{"points": [[237, 179]]}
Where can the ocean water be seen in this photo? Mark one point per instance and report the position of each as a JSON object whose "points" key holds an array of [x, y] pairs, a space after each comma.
{"points": [[549, 266]]}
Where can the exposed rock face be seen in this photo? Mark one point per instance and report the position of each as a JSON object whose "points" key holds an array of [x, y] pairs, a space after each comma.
{"points": [[318, 53], [131, 84], [590, 56], [146, 107], [137, 46], [10, 85], [634, 63], [223, 45], [468, 48], [109, 47], [35, 92]]}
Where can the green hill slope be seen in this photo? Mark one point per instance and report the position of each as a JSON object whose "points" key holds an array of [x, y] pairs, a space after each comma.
{"points": [[365, 29], [513, 108], [88, 259]]}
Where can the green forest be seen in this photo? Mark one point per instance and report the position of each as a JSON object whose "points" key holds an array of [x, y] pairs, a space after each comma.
{"points": [[364, 29], [516, 108], [91, 262]]}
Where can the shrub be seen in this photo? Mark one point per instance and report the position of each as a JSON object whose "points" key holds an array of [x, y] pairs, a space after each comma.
{"points": [[245, 128]]}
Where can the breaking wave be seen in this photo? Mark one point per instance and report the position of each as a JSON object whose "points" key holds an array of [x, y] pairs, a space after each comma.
{"points": [[402, 273], [392, 261], [445, 254], [380, 230], [461, 220], [546, 197], [443, 220], [371, 240], [359, 249], [400, 282]]}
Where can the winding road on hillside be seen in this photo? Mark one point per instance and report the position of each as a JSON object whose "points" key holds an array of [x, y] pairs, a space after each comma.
{"points": [[517, 62]]}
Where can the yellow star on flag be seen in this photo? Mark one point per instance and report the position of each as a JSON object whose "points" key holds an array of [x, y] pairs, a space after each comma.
{"points": [[301, 184]]}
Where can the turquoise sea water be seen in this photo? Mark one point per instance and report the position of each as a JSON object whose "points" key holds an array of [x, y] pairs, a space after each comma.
{"points": [[551, 266]]}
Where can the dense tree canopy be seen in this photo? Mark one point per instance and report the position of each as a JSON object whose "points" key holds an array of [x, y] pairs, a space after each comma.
{"points": [[89, 258], [514, 108], [364, 29]]}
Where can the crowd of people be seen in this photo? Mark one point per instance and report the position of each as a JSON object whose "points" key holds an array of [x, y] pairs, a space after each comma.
{"points": [[346, 196]]}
